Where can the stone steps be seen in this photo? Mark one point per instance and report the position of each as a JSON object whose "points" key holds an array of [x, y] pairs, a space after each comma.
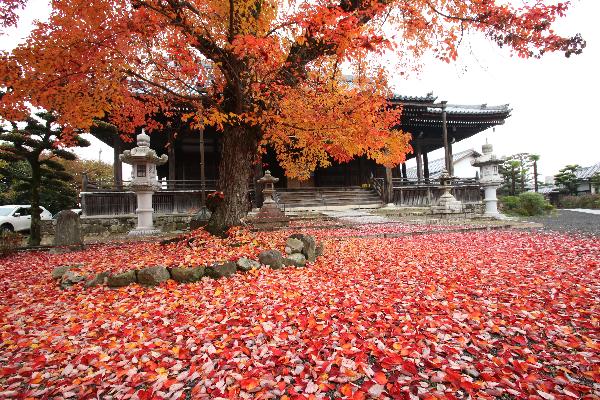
{"points": [[308, 198]]}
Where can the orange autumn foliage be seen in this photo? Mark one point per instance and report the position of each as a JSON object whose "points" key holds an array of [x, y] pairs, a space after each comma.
{"points": [[264, 72]]}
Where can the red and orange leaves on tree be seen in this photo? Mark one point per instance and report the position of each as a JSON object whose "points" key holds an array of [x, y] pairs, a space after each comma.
{"points": [[129, 59], [264, 72]]}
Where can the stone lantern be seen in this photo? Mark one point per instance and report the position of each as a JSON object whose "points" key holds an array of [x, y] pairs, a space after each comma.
{"points": [[144, 182], [489, 178], [447, 203], [269, 216]]}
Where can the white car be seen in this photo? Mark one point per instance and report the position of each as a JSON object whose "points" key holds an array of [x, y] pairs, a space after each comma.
{"points": [[17, 218]]}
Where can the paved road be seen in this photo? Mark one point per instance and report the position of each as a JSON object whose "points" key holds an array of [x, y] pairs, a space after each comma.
{"points": [[570, 221]]}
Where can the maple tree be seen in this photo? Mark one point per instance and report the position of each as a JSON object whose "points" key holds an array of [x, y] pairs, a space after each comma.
{"points": [[264, 72], [442, 315]]}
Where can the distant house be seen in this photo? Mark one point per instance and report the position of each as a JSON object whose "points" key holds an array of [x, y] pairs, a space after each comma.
{"points": [[461, 162], [584, 185], [584, 178]]}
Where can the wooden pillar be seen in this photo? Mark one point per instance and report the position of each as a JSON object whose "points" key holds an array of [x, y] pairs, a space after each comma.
{"points": [[419, 162], [117, 164], [451, 163], [426, 167], [404, 171], [445, 137], [172, 160], [202, 176]]}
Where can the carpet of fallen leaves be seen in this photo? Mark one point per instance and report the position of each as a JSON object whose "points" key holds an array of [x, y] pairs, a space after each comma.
{"points": [[489, 315]]}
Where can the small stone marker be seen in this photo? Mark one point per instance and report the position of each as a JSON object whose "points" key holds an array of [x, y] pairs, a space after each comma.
{"points": [[68, 229]]}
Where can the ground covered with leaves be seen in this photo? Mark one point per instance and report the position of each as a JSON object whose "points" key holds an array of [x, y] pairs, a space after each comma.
{"points": [[486, 314]]}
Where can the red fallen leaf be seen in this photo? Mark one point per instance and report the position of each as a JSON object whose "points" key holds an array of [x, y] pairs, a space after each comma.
{"points": [[522, 340], [409, 367], [346, 390], [380, 378], [249, 384]]}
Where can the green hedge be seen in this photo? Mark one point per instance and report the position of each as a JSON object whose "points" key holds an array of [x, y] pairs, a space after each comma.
{"points": [[525, 204], [583, 201]]}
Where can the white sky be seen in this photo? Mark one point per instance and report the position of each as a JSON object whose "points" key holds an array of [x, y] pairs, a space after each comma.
{"points": [[552, 98]]}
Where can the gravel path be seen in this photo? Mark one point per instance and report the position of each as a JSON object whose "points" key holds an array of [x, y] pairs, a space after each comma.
{"points": [[570, 221]]}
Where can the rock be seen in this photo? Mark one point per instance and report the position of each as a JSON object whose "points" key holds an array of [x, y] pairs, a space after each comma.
{"points": [[217, 271], [68, 229], [246, 264], [187, 275], [70, 278], [153, 276], [319, 250], [310, 246], [295, 259], [272, 258], [58, 272], [99, 279], [293, 245], [122, 279]]}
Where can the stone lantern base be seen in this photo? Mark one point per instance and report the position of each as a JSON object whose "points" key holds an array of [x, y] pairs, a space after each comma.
{"points": [[447, 205], [269, 217]]}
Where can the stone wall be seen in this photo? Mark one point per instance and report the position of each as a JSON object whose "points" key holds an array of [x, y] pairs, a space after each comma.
{"points": [[119, 225]]}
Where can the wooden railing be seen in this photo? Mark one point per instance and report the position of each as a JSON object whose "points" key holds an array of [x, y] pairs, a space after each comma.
{"points": [[165, 184], [174, 197], [411, 193]]}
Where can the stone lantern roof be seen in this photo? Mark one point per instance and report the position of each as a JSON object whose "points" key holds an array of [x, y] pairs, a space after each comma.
{"points": [[143, 152], [487, 158]]}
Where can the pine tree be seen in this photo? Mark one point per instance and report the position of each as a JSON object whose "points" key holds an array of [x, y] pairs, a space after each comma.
{"points": [[534, 158], [567, 179], [38, 145]]}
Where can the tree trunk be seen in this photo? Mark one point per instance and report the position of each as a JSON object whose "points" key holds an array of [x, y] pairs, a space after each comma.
{"points": [[513, 177], [535, 176], [389, 186], [35, 233], [235, 170]]}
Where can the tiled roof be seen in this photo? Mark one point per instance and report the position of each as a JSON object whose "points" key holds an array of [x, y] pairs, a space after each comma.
{"points": [[437, 166], [467, 109], [547, 189], [429, 97], [587, 172]]}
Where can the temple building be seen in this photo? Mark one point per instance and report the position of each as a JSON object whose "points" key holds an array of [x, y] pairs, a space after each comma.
{"points": [[433, 125]]}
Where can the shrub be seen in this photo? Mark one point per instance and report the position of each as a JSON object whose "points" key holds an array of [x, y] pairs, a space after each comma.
{"points": [[9, 242], [584, 201], [509, 204], [525, 204]]}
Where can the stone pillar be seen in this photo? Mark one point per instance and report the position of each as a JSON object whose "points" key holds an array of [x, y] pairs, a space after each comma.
{"points": [[144, 210]]}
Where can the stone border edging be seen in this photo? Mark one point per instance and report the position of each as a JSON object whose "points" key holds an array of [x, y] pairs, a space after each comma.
{"points": [[299, 250]]}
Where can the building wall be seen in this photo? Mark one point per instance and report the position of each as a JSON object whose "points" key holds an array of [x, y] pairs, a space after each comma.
{"points": [[464, 169]]}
